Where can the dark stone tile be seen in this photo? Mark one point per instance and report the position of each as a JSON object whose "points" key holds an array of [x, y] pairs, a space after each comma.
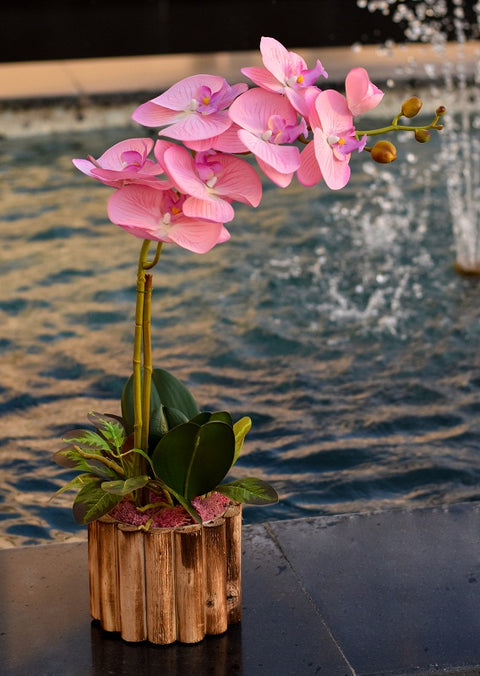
{"points": [[282, 632], [45, 627], [400, 591]]}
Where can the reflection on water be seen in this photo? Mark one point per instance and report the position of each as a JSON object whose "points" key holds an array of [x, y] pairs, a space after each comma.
{"points": [[334, 319]]}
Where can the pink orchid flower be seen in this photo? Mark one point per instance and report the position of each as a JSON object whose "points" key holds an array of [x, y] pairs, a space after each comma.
{"points": [[228, 142], [193, 109], [334, 140], [268, 121], [362, 95], [211, 181], [285, 73], [125, 162], [158, 215]]}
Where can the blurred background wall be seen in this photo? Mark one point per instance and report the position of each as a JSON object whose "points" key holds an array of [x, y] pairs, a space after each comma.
{"points": [[34, 30]]}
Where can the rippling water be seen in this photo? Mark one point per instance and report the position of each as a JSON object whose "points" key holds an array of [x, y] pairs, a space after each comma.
{"points": [[335, 320]]}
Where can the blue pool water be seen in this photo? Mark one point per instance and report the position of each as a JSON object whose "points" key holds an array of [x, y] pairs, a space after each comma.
{"points": [[335, 320]]}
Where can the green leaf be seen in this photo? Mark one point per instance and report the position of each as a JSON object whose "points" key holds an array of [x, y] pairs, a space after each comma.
{"points": [[76, 483], [173, 393], [240, 430], [193, 459], [157, 420], [249, 491], [73, 457], [87, 439], [110, 427], [185, 504], [122, 488], [166, 391], [92, 502], [174, 417], [222, 416]]}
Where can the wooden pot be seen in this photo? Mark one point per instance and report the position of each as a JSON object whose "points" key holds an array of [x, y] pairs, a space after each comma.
{"points": [[166, 584]]}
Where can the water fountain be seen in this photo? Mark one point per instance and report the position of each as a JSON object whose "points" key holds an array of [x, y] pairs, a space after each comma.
{"points": [[434, 22]]}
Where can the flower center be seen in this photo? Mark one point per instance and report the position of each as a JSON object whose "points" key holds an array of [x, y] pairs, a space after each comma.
{"points": [[333, 139]]}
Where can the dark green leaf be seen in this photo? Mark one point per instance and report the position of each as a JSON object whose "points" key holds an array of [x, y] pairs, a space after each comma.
{"points": [[174, 417], [173, 393], [166, 391], [222, 416], [121, 487], [249, 491], [76, 483], [192, 459], [92, 502]]}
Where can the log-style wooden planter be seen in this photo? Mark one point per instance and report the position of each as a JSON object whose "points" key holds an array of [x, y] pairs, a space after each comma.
{"points": [[167, 584]]}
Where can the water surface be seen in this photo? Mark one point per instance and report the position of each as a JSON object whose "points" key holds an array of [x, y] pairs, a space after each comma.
{"points": [[335, 320]]}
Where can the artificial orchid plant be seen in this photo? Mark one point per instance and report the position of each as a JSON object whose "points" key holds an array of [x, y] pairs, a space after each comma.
{"points": [[164, 456]]}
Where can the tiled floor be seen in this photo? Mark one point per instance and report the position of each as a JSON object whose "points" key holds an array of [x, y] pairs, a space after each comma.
{"points": [[388, 593]]}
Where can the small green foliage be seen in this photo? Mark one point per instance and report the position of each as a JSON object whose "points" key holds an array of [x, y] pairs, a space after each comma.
{"points": [[123, 488], [240, 430], [190, 453], [250, 491], [92, 502]]}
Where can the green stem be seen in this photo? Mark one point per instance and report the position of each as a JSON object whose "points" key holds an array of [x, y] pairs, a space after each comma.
{"points": [[142, 361], [396, 127], [147, 360], [137, 349], [152, 264]]}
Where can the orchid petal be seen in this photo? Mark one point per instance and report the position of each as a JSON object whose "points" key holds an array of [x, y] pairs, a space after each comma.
{"points": [[285, 159], [180, 166], [209, 207], [195, 127], [309, 172], [152, 115], [335, 172], [282, 180], [263, 78], [278, 60], [196, 235], [229, 142], [239, 181], [362, 94], [179, 95]]}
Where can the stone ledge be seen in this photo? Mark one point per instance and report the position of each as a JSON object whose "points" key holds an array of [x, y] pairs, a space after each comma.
{"points": [[389, 593]]}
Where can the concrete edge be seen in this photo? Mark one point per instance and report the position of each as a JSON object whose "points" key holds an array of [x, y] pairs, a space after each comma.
{"points": [[80, 78]]}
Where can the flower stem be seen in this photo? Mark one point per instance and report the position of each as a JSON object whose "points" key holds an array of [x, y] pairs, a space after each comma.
{"points": [[137, 350], [147, 360]]}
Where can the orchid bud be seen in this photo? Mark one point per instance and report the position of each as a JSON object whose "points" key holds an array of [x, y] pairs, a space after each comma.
{"points": [[441, 110], [422, 135], [411, 106], [383, 152]]}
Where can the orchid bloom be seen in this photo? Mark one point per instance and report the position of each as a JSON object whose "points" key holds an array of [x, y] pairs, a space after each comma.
{"points": [[284, 73], [158, 215], [193, 109], [268, 121], [334, 140], [125, 162], [210, 181], [362, 95]]}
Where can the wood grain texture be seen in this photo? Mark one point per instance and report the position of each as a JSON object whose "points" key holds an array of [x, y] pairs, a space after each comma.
{"points": [[160, 586]]}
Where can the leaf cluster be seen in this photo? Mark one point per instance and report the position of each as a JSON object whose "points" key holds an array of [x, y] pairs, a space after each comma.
{"points": [[189, 454]]}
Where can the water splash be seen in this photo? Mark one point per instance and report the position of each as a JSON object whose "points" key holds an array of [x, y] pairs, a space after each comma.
{"points": [[435, 22]]}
